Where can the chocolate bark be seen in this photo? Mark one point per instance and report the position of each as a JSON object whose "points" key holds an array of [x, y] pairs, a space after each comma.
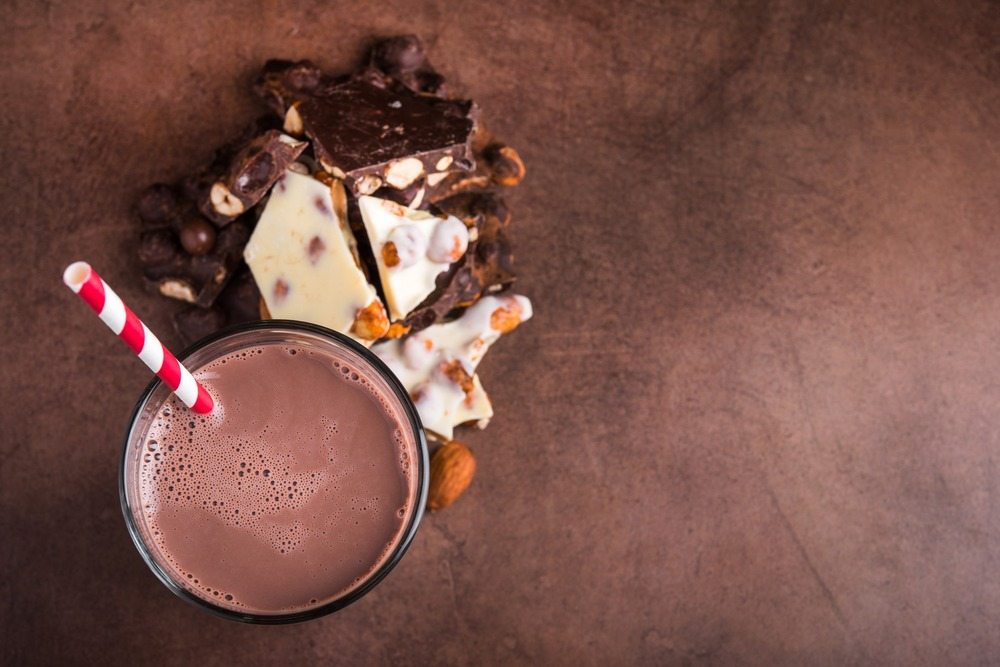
{"points": [[197, 279], [371, 136], [487, 266]]}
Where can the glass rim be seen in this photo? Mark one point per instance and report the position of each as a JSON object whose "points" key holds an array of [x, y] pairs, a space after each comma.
{"points": [[406, 537]]}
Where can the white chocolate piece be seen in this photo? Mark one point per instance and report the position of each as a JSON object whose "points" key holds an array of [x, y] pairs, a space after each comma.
{"points": [[474, 407], [418, 361], [300, 256], [405, 284]]}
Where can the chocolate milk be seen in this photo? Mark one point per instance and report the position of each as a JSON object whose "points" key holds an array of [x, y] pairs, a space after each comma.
{"points": [[291, 493]]}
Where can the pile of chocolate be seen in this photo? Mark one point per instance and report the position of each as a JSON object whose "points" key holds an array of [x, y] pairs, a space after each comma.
{"points": [[368, 203]]}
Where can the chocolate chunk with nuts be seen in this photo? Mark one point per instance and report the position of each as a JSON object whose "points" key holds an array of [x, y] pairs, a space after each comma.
{"points": [[486, 267], [248, 176], [373, 137], [283, 82], [196, 279]]}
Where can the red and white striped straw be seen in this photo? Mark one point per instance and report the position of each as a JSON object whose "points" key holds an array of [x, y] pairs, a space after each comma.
{"points": [[83, 280]]}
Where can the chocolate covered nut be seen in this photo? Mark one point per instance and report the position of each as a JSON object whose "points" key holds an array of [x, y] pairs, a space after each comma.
{"points": [[197, 235], [193, 323], [399, 55], [157, 204], [371, 136], [193, 278], [249, 175], [282, 82], [157, 247], [403, 59], [504, 165]]}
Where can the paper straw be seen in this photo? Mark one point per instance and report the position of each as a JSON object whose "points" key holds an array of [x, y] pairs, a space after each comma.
{"points": [[83, 280]]}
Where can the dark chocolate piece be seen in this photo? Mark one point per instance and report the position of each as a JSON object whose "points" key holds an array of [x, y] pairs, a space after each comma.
{"points": [[157, 204], [248, 176], [283, 82], [241, 298], [193, 323], [495, 164], [196, 279], [403, 59], [372, 137]]}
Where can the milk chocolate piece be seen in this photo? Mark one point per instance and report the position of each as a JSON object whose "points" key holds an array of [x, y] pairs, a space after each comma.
{"points": [[196, 279], [372, 137], [248, 176]]}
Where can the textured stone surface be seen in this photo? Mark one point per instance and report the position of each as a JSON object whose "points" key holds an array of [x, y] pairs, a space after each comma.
{"points": [[755, 417]]}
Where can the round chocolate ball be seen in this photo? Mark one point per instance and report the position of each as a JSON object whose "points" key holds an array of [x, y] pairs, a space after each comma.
{"points": [[157, 204], [197, 236]]}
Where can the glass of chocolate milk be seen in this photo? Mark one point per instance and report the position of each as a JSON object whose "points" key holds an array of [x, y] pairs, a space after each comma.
{"points": [[296, 495]]}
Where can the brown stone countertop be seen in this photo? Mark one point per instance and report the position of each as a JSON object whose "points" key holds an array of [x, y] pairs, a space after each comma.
{"points": [[756, 418]]}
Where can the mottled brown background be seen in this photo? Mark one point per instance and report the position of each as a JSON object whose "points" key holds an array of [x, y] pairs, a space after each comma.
{"points": [[755, 419]]}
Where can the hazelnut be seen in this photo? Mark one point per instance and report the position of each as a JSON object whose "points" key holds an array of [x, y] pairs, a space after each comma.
{"points": [[504, 164], [177, 288], [399, 55], [435, 178], [293, 120], [389, 255], [397, 330], [456, 373], [367, 184], [400, 173], [506, 318], [224, 202], [197, 235], [371, 322], [338, 195]]}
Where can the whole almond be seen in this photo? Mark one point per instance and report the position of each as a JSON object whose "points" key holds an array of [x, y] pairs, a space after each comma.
{"points": [[452, 469]]}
